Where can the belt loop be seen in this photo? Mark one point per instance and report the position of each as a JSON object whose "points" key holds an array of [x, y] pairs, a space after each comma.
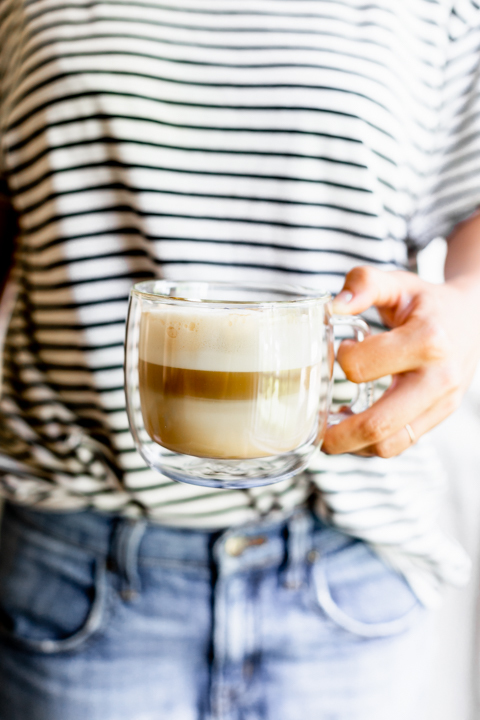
{"points": [[298, 544], [126, 540]]}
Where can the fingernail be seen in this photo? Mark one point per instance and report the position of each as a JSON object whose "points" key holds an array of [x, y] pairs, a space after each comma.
{"points": [[342, 298]]}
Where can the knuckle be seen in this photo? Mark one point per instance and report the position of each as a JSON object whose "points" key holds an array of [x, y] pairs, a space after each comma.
{"points": [[375, 428], [435, 343], [385, 449]]}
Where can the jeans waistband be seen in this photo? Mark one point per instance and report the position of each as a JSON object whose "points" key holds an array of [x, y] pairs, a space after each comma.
{"points": [[128, 541]]}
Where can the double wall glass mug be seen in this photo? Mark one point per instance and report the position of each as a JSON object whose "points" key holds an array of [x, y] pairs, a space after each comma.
{"points": [[230, 385]]}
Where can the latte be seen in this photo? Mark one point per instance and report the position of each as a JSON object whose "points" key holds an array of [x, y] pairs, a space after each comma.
{"points": [[224, 384]]}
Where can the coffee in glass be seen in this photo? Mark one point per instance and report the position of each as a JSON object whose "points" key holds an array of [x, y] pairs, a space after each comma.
{"points": [[228, 385]]}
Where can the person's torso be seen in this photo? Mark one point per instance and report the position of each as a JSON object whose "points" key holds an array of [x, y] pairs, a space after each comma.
{"points": [[274, 140]]}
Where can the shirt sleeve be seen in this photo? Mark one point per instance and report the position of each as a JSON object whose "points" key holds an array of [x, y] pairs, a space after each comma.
{"points": [[452, 187]]}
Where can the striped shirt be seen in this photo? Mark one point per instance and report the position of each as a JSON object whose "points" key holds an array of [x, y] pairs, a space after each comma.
{"points": [[267, 140]]}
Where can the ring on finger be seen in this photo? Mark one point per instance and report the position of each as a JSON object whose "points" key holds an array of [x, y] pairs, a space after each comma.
{"points": [[411, 434]]}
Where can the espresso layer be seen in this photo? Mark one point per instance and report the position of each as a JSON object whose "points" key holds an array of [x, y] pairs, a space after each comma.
{"points": [[180, 382]]}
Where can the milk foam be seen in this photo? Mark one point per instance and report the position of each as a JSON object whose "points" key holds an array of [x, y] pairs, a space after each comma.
{"points": [[232, 341], [237, 429]]}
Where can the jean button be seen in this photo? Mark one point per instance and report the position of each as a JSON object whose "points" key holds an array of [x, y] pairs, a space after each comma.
{"points": [[234, 546]]}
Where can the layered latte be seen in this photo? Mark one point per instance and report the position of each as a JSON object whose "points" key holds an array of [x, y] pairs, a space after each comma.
{"points": [[221, 384]]}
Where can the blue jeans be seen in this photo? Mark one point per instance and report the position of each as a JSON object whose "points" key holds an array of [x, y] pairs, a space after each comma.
{"points": [[104, 618]]}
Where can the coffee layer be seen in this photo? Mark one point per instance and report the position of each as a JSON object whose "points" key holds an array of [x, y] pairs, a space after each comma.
{"points": [[180, 382], [221, 384], [252, 415], [235, 429]]}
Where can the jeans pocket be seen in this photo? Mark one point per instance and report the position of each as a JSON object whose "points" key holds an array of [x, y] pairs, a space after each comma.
{"points": [[52, 594], [360, 594]]}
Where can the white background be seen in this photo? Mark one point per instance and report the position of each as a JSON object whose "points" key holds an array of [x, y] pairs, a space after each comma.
{"points": [[454, 690]]}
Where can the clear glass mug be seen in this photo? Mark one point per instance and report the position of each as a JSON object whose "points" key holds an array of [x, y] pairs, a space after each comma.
{"points": [[230, 385]]}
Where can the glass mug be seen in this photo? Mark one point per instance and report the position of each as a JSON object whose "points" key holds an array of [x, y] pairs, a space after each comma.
{"points": [[230, 384]]}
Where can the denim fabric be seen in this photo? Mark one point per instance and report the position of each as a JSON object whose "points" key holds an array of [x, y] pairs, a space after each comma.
{"points": [[105, 618]]}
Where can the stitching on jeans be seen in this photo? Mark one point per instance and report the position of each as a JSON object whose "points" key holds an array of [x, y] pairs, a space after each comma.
{"points": [[360, 628], [96, 616]]}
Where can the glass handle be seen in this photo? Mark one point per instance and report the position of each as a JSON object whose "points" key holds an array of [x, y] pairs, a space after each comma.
{"points": [[364, 391]]}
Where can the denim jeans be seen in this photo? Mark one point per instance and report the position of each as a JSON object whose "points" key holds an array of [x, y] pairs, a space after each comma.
{"points": [[104, 618]]}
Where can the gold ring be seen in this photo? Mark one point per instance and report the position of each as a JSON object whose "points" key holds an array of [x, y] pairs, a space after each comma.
{"points": [[411, 434]]}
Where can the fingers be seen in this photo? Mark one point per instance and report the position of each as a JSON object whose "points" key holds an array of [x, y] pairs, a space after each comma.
{"points": [[420, 352], [410, 396], [418, 337], [401, 441], [413, 345], [366, 286]]}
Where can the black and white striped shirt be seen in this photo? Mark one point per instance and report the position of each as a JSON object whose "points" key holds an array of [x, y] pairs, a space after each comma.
{"points": [[280, 140]]}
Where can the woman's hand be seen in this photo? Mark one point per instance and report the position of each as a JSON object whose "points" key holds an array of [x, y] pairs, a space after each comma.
{"points": [[431, 352]]}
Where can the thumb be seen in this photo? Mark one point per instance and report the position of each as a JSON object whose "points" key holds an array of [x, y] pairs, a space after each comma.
{"points": [[366, 286]]}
